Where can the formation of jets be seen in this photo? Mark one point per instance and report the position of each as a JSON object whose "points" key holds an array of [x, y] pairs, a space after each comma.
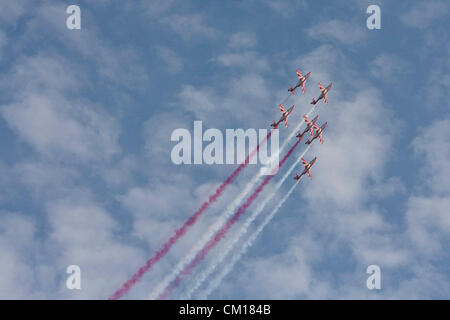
{"points": [[301, 83], [311, 127]]}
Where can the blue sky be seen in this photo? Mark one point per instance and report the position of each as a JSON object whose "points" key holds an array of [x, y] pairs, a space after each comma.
{"points": [[86, 117]]}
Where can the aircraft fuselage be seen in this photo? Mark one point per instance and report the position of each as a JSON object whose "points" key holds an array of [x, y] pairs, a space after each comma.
{"points": [[322, 94]]}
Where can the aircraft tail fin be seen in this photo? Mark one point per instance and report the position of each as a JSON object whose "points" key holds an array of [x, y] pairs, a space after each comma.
{"points": [[305, 117]]}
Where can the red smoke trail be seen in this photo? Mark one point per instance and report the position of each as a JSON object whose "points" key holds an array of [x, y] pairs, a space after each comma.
{"points": [[222, 232], [286, 99], [189, 223]]}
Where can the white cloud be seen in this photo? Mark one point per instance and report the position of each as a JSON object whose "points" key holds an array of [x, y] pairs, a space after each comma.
{"points": [[437, 84], [286, 8], [71, 136], [173, 63], [57, 128], [291, 279], [345, 32], [200, 102], [46, 115], [244, 99], [432, 146], [82, 233], [345, 165], [158, 211], [16, 243], [120, 66], [426, 282], [157, 8], [242, 40], [248, 59], [165, 202], [12, 11], [190, 26], [424, 13], [157, 132], [427, 212], [388, 67], [45, 180], [392, 185], [43, 72], [429, 223]]}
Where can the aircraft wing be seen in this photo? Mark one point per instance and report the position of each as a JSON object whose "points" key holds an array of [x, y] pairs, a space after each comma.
{"points": [[299, 74], [304, 161], [283, 110], [306, 119], [321, 87], [286, 114], [325, 99], [320, 138], [309, 174]]}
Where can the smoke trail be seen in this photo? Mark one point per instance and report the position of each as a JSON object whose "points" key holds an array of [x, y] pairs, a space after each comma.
{"points": [[210, 233], [243, 229], [211, 269], [237, 256], [183, 229], [218, 224], [223, 231], [286, 99]]}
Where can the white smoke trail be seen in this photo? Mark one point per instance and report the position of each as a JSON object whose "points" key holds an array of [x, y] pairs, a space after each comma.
{"points": [[220, 222], [242, 230], [237, 256]]}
